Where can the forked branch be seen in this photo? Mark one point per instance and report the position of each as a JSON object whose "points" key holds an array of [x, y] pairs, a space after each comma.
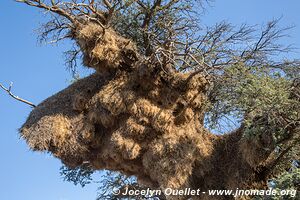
{"points": [[8, 90]]}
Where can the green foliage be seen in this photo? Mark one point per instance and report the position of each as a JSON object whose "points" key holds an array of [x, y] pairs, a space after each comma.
{"points": [[78, 175], [288, 181], [111, 182], [258, 95]]}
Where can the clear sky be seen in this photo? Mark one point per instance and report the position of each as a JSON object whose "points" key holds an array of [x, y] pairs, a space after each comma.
{"points": [[38, 72]]}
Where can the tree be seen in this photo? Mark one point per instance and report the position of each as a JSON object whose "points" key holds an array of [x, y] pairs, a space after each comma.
{"points": [[158, 77]]}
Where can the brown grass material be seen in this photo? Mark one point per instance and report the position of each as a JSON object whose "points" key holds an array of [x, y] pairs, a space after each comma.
{"points": [[120, 127], [132, 117], [256, 150], [104, 48], [110, 122]]}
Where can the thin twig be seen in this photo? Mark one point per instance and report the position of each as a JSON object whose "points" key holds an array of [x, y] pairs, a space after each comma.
{"points": [[8, 90]]}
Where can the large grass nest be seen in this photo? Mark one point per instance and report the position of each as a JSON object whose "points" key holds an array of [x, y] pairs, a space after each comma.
{"points": [[132, 117]]}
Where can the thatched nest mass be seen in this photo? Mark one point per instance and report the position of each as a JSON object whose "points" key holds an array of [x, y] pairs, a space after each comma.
{"points": [[133, 117]]}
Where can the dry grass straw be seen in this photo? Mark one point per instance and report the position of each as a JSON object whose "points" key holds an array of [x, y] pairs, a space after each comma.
{"points": [[136, 122], [104, 48]]}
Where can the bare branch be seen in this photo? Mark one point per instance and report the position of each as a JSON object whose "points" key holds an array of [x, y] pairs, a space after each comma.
{"points": [[8, 90], [54, 7]]}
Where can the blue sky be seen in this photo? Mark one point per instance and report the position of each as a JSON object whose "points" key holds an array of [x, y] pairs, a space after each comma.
{"points": [[38, 72]]}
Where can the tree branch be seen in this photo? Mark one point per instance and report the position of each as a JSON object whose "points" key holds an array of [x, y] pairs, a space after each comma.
{"points": [[8, 90]]}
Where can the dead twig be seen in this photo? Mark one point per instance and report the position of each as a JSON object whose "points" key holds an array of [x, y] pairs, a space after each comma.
{"points": [[8, 90]]}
